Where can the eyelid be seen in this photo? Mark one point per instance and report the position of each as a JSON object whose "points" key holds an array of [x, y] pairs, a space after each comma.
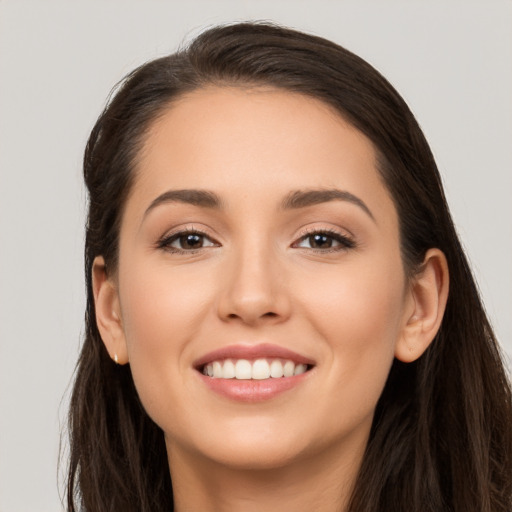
{"points": [[165, 241], [345, 240]]}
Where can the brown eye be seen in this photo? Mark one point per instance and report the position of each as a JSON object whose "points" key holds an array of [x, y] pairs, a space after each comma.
{"points": [[190, 241], [320, 241], [186, 241], [325, 240]]}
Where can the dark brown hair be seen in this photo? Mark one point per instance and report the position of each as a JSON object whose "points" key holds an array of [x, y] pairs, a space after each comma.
{"points": [[441, 438]]}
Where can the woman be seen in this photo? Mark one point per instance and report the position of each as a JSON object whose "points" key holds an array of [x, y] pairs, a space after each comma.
{"points": [[280, 315]]}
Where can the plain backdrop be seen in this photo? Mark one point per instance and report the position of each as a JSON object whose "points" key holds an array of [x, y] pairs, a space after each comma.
{"points": [[451, 60]]}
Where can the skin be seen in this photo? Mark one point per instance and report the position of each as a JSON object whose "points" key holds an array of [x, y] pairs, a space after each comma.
{"points": [[259, 279]]}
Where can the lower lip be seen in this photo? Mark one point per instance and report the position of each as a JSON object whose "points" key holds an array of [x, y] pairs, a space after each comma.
{"points": [[252, 390]]}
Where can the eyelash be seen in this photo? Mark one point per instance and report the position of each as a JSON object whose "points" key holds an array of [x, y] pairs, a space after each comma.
{"points": [[165, 242], [344, 241]]}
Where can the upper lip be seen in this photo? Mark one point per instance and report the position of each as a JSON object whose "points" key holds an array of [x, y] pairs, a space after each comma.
{"points": [[261, 351]]}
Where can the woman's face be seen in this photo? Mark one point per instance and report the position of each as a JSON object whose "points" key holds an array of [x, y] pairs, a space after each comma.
{"points": [[259, 237]]}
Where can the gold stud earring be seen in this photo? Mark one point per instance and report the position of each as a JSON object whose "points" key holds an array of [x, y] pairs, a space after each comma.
{"points": [[115, 358]]}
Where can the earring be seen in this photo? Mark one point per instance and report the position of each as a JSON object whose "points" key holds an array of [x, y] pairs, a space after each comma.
{"points": [[115, 358]]}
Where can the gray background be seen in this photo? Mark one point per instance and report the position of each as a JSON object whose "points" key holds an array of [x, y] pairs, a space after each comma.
{"points": [[451, 61]]}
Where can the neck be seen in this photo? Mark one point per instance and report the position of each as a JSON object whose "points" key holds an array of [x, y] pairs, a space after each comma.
{"points": [[323, 482]]}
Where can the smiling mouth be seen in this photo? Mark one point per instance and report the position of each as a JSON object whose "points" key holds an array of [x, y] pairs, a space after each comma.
{"points": [[257, 369], [249, 373]]}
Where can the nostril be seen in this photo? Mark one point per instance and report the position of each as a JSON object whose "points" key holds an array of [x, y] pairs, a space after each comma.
{"points": [[270, 314]]}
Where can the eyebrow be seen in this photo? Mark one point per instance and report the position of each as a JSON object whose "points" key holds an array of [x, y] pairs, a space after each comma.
{"points": [[196, 197], [294, 200], [305, 198]]}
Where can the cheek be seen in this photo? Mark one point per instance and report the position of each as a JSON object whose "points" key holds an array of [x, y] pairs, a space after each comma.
{"points": [[361, 302], [162, 311], [161, 305], [358, 314]]}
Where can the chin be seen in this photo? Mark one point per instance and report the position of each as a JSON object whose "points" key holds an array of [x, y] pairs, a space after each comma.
{"points": [[255, 456], [260, 447]]}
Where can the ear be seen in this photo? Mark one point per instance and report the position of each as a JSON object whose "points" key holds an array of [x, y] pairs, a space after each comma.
{"points": [[108, 312], [426, 304]]}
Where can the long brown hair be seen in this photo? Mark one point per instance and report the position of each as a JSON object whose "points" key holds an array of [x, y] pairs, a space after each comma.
{"points": [[441, 438]]}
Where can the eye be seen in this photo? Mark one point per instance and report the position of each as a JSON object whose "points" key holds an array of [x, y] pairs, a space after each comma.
{"points": [[325, 241], [186, 241]]}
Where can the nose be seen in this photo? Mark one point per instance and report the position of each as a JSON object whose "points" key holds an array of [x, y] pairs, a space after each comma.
{"points": [[254, 289]]}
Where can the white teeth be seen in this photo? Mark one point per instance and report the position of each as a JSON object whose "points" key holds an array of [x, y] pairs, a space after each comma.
{"points": [[217, 370], [288, 369], [276, 369], [260, 369], [243, 370], [300, 368], [229, 369]]}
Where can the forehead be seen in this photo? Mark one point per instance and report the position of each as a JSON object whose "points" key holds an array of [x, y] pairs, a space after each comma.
{"points": [[256, 143]]}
